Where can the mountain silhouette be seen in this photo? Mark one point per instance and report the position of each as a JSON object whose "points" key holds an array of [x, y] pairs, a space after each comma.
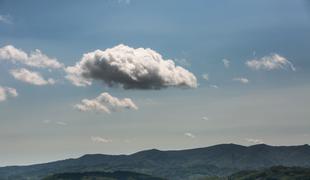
{"points": [[218, 160]]}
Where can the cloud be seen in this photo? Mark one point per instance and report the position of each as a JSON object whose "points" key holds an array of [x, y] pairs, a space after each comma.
{"points": [[241, 80], [124, 1], [226, 63], [105, 103], [205, 77], [131, 68], [6, 19], [61, 123], [205, 118], [214, 86], [183, 62], [255, 141], [31, 77], [34, 59], [46, 121], [98, 139], [188, 134], [271, 62], [6, 92]]}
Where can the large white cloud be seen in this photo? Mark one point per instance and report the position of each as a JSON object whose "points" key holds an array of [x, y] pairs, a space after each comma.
{"points": [[131, 68], [34, 59], [31, 77], [105, 103], [274, 61], [6, 92]]}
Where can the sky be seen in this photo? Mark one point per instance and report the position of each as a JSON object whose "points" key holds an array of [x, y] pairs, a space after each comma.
{"points": [[120, 76]]}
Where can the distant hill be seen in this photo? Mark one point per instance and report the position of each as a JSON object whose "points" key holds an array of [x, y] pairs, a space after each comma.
{"points": [[219, 160], [274, 173], [117, 175]]}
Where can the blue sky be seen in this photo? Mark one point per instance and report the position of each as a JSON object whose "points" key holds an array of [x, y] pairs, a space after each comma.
{"points": [[251, 104]]}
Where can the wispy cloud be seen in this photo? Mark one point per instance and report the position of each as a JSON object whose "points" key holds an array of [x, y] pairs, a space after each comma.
{"points": [[205, 118], [124, 1], [46, 121], [271, 62], [254, 141], [188, 134], [6, 19], [242, 80], [183, 62], [31, 77], [6, 92], [33, 59], [105, 103], [205, 76], [98, 139], [61, 123], [214, 86], [226, 63]]}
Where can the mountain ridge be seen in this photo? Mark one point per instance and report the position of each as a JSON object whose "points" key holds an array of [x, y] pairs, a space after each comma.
{"points": [[154, 149], [219, 160]]}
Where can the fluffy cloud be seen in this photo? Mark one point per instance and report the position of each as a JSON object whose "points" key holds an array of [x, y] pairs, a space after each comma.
{"points": [[205, 77], [105, 103], [226, 63], [31, 77], [274, 61], [188, 134], [6, 92], [241, 80], [131, 68], [34, 59], [98, 139], [255, 141]]}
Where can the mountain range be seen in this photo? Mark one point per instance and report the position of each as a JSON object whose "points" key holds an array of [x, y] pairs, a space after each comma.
{"points": [[117, 175], [276, 173], [218, 160]]}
